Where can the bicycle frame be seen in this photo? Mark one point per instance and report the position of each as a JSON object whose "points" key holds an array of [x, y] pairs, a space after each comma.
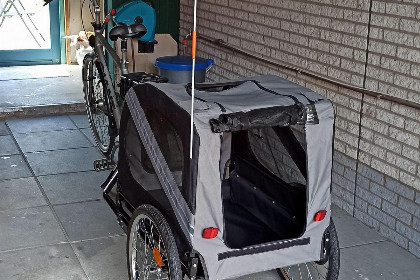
{"points": [[101, 43]]}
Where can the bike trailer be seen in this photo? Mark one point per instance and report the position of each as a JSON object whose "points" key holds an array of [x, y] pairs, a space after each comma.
{"points": [[256, 194]]}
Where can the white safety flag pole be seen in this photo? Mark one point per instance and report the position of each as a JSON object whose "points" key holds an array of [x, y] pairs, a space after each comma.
{"points": [[193, 51]]}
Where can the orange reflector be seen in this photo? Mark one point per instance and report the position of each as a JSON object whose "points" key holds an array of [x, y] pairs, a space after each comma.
{"points": [[158, 257], [185, 42], [210, 233], [320, 215], [106, 20], [113, 12]]}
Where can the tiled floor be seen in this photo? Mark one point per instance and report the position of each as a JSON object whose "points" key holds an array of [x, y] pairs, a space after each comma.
{"points": [[54, 224]]}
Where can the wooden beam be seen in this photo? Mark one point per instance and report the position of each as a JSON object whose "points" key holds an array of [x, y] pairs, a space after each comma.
{"points": [[67, 29]]}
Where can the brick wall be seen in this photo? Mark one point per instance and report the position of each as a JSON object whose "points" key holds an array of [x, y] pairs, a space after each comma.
{"points": [[376, 172]]}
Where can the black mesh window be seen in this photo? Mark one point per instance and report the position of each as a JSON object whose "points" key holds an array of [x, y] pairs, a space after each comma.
{"points": [[170, 145], [140, 165], [282, 151]]}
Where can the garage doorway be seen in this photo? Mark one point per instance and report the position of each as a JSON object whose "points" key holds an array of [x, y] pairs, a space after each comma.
{"points": [[29, 32]]}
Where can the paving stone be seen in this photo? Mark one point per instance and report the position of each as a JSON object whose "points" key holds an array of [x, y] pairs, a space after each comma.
{"points": [[28, 228], [40, 124], [265, 275], [81, 121], [73, 187], [110, 251], [64, 161], [43, 263], [20, 193], [13, 166], [88, 220], [383, 260], [352, 232], [8, 146], [33, 72], [88, 133], [3, 128], [94, 253], [52, 140]]}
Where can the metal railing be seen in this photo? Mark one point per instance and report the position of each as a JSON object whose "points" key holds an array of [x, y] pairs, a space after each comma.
{"points": [[377, 94]]}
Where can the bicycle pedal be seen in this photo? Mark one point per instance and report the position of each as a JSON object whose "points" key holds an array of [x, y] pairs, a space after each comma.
{"points": [[103, 164]]}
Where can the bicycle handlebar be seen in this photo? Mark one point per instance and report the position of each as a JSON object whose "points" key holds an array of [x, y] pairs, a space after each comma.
{"points": [[47, 2]]}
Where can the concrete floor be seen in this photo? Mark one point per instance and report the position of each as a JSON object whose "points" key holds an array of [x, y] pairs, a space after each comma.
{"points": [[54, 223], [29, 87]]}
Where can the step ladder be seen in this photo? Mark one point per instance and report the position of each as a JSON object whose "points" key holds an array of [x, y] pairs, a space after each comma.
{"points": [[23, 14]]}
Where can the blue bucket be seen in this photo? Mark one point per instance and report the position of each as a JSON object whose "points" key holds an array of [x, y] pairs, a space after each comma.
{"points": [[178, 68]]}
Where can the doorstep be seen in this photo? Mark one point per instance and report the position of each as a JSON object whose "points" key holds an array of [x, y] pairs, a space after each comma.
{"points": [[41, 110]]}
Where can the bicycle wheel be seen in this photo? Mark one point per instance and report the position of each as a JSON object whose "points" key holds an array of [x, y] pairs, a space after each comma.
{"points": [[97, 103], [151, 249], [314, 271]]}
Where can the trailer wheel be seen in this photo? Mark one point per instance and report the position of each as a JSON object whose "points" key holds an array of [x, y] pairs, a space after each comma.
{"points": [[328, 270], [151, 249]]}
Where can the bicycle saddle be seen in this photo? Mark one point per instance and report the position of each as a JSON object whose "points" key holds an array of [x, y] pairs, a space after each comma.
{"points": [[124, 31]]}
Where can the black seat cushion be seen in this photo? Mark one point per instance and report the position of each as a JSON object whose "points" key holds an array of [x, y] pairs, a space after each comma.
{"points": [[124, 31]]}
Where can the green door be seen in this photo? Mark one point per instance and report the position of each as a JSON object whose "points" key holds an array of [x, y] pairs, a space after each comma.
{"points": [[29, 32]]}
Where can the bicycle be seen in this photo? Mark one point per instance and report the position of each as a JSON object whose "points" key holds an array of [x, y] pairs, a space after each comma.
{"points": [[102, 97]]}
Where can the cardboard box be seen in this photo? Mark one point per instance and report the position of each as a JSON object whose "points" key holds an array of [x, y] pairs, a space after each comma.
{"points": [[145, 62]]}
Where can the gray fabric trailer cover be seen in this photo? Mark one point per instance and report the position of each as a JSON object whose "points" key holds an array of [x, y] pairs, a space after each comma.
{"points": [[220, 261]]}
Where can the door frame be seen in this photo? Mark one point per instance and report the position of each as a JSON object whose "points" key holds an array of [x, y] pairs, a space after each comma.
{"points": [[35, 56]]}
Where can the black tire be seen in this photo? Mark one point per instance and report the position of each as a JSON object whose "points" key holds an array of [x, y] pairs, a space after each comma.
{"points": [[313, 270], [334, 258], [140, 232], [97, 103]]}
